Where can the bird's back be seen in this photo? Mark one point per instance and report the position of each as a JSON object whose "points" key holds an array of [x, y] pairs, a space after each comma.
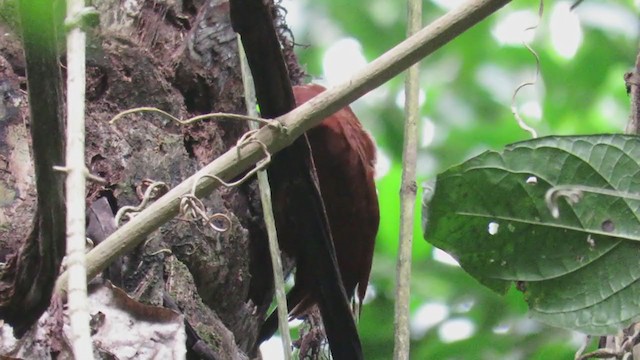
{"points": [[344, 155]]}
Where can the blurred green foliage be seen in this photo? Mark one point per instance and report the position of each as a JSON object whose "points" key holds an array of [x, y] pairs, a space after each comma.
{"points": [[9, 13], [468, 86]]}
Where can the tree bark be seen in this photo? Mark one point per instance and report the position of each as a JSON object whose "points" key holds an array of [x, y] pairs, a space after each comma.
{"points": [[180, 57]]}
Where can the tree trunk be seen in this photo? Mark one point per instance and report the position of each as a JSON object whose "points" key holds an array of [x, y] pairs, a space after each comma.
{"points": [[182, 58]]}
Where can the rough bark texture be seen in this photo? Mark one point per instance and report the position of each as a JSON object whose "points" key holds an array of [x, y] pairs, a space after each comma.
{"points": [[181, 57]]}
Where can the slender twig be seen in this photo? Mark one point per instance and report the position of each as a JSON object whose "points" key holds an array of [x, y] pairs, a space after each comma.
{"points": [[408, 191], [583, 347], [633, 127], [623, 346], [152, 191], [299, 120], [575, 4], [514, 109], [632, 81], [214, 116], [267, 210], [75, 186]]}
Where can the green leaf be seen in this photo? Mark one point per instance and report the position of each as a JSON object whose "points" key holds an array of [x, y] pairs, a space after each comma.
{"points": [[577, 271]]}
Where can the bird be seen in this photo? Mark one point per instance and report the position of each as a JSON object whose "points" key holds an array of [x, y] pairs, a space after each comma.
{"points": [[344, 156]]}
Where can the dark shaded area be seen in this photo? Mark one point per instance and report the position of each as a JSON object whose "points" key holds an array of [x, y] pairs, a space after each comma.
{"points": [[100, 224], [301, 221]]}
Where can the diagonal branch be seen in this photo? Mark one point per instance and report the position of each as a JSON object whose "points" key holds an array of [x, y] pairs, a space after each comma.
{"points": [[299, 120]]}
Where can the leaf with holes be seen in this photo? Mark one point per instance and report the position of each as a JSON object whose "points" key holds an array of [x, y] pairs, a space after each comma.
{"points": [[577, 271]]}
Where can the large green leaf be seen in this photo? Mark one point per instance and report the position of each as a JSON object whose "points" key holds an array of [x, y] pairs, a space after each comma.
{"points": [[579, 270]]}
